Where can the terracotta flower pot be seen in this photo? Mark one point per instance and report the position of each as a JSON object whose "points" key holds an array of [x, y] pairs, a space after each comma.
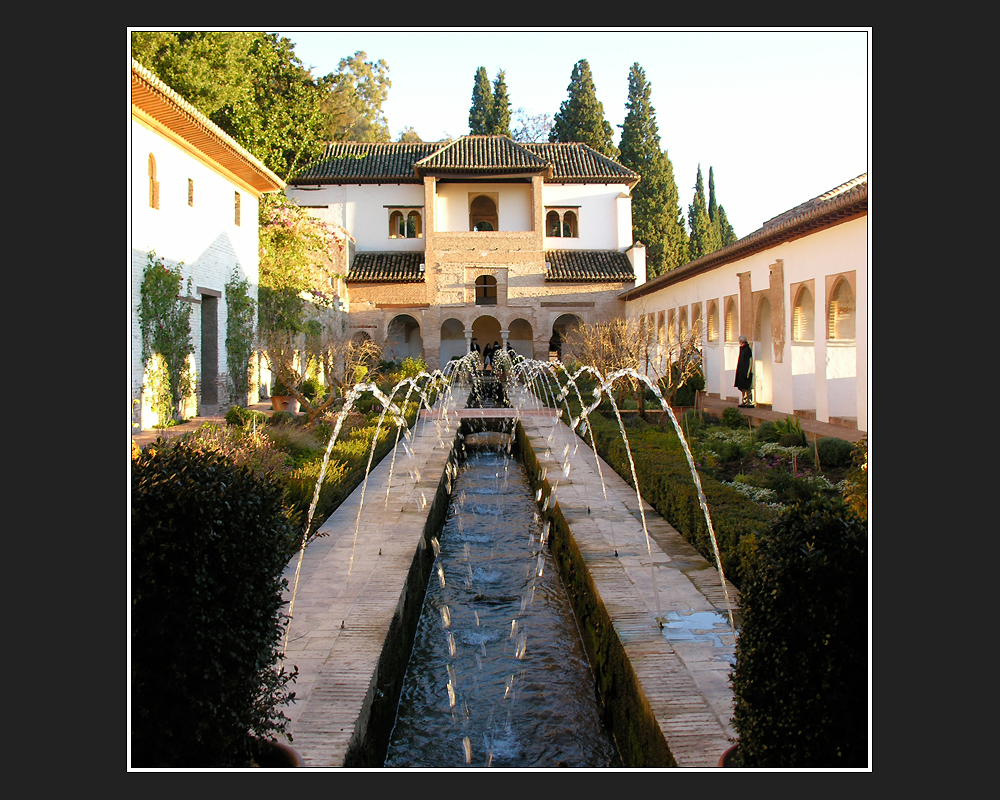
{"points": [[285, 403], [275, 755], [728, 758]]}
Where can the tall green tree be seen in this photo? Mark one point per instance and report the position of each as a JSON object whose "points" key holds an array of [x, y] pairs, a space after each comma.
{"points": [[499, 118], [581, 116], [726, 233], [482, 104], [354, 102], [701, 241], [722, 231], [249, 83], [657, 219]]}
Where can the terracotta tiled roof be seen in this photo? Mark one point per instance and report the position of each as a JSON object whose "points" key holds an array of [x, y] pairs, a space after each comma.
{"points": [[387, 268], [578, 163], [846, 202], [408, 162], [493, 154], [367, 162], [160, 107], [587, 265]]}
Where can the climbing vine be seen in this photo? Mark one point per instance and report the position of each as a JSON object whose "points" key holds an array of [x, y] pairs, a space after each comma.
{"points": [[241, 312], [165, 322]]}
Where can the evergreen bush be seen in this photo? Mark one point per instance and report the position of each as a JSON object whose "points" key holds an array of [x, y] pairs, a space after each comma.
{"points": [[800, 680], [209, 543], [834, 452], [732, 418]]}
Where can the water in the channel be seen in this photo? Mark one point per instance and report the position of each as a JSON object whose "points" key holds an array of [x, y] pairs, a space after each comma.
{"points": [[498, 676]]}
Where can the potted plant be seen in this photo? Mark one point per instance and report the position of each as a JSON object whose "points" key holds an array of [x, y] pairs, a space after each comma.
{"points": [[210, 540], [282, 398]]}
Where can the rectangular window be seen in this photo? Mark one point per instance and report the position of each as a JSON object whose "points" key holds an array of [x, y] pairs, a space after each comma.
{"points": [[190, 192], [237, 209]]}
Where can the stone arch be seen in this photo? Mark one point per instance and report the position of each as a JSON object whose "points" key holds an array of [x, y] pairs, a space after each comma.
{"points": [[521, 337], [712, 321], [453, 344], [483, 214], [402, 339], [487, 330], [561, 329]]}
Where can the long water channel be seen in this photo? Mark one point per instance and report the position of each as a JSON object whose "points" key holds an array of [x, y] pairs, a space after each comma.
{"points": [[498, 676]]}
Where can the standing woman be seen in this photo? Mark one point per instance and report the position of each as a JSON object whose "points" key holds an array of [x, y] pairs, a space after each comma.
{"points": [[744, 373]]}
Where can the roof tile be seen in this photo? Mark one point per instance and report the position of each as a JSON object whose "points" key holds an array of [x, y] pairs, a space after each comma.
{"points": [[369, 267], [587, 265]]}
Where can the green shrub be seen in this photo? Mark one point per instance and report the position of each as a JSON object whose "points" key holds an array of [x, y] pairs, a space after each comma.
{"points": [[834, 452], [800, 680], [209, 544], [313, 390], [281, 418], [666, 484], [766, 432], [792, 440], [732, 418], [237, 416]]}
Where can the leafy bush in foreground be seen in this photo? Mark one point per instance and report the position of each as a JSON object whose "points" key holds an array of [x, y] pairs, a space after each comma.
{"points": [[210, 540], [800, 681]]}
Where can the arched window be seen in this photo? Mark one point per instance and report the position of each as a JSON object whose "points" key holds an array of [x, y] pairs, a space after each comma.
{"points": [[483, 214], [569, 224], [561, 222], [802, 316], [684, 324], [486, 290], [840, 315], [396, 228], [154, 184], [713, 322], [732, 322], [405, 224], [672, 326]]}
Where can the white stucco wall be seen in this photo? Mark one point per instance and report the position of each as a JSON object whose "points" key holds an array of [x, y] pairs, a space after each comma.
{"points": [[829, 377], [605, 222], [361, 211], [204, 236]]}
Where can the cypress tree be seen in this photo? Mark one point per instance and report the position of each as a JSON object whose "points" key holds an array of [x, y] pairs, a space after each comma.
{"points": [[581, 115], [657, 220], [701, 226], [499, 119], [726, 233], [482, 104]]}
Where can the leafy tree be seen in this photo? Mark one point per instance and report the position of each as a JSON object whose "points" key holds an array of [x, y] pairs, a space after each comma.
{"points": [[499, 118], [354, 102], [408, 134], [249, 83], [581, 115], [482, 104], [657, 220], [532, 127]]}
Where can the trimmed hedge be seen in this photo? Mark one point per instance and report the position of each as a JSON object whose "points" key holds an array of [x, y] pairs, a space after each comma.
{"points": [[666, 484], [800, 684]]}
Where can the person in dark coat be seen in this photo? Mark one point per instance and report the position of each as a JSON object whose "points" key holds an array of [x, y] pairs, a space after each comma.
{"points": [[488, 355], [744, 373]]}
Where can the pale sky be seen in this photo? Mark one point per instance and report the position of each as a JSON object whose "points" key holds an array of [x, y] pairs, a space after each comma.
{"points": [[782, 115]]}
